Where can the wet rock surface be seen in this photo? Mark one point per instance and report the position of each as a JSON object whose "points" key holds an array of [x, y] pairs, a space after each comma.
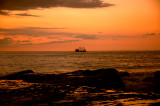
{"points": [[83, 87]]}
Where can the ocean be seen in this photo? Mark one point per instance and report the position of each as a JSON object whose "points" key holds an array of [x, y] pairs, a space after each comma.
{"points": [[60, 61]]}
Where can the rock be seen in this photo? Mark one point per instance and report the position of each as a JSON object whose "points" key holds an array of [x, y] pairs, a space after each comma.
{"points": [[154, 104], [77, 73], [101, 78], [40, 78], [157, 81], [25, 72], [124, 74], [17, 75], [110, 79]]}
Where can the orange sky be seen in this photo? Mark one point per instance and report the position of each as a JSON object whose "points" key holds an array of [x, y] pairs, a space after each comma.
{"points": [[66, 25]]}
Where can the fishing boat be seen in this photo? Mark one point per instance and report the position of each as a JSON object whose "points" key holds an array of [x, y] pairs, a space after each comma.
{"points": [[80, 49]]}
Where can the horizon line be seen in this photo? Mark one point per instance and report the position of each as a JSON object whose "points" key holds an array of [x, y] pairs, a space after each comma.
{"points": [[69, 50]]}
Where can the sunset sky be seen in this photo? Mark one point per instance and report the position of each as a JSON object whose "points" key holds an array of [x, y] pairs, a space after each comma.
{"points": [[63, 25]]}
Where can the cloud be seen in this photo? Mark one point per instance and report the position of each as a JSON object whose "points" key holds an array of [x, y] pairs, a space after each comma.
{"points": [[84, 36], [32, 35], [42, 28], [65, 41], [121, 36], [150, 34], [29, 31], [6, 41], [4, 13], [26, 14], [51, 37], [34, 4], [26, 41], [117, 37], [45, 43], [9, 42], [37, 32]]}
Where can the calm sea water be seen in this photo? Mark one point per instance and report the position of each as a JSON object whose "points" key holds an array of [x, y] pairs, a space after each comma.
{"points": [[50, 61]]}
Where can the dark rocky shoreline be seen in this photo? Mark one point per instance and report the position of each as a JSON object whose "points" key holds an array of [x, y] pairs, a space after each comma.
{"points": [[83, 87]]}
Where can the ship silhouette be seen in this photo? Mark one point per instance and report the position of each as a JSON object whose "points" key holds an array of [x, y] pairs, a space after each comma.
{"points": [[80, 49]]}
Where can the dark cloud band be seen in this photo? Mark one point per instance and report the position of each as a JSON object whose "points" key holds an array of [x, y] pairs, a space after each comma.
{"points": [[26, 14], [42, 31], [6, 41], [33, 4]]}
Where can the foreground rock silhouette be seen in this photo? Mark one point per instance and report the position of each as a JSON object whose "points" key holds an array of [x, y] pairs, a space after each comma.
{"points": [[17, 75], [157, 81], [83, 87], [101, 78]]}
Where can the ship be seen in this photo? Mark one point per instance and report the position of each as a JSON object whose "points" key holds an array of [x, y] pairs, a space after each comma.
{"points": [[80, 49]]}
